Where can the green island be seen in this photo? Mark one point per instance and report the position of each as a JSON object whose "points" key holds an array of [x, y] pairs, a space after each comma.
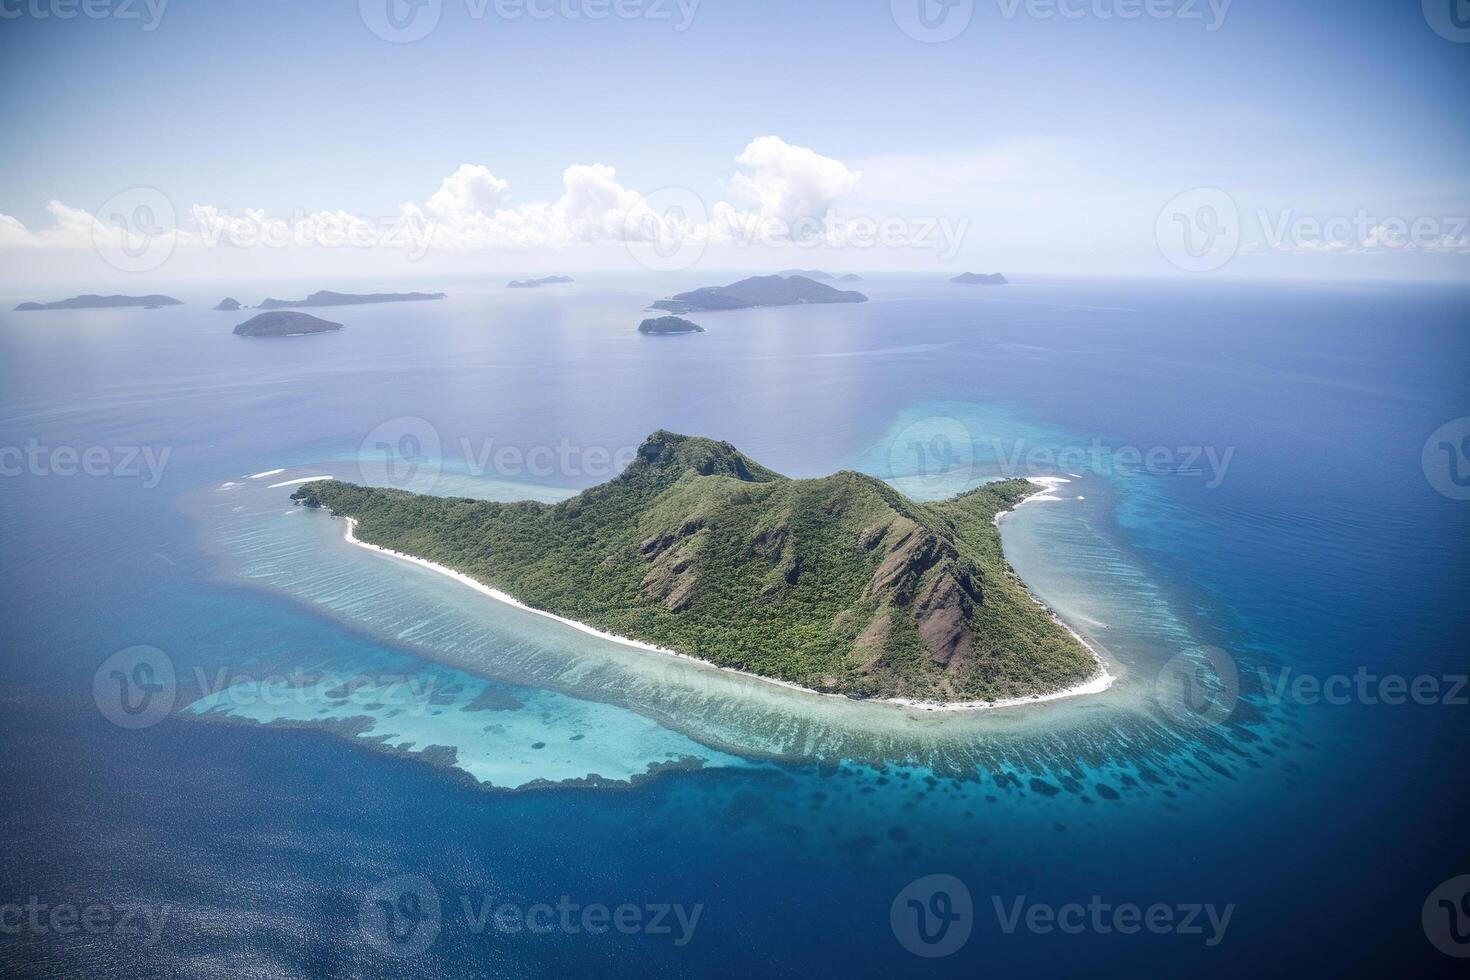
{"points": [[840, 584]]}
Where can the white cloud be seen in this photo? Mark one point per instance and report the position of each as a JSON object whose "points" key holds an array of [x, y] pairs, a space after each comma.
{"points": [[792, 185], [779, 184], [472, 189]]}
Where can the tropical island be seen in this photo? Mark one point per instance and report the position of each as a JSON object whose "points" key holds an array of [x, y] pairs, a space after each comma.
{"points": [[229, 304], [91, 301], [821, 276], [668, 325], [533, 283], [758, 291], [284, 323], [980, 279], [840, 584], [326, 297]]}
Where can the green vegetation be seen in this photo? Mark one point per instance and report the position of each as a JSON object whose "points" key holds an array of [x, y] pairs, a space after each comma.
{"points": [[840, 584]]}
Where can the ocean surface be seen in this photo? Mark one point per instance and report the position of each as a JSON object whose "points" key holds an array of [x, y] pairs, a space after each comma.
{"points": [[250, 748]]}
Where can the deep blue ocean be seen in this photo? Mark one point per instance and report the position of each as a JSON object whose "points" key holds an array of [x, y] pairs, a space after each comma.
{"points": [[1297, 516]]}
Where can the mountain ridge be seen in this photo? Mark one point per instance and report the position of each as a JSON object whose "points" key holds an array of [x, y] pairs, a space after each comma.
{"points": [[840, 583]]}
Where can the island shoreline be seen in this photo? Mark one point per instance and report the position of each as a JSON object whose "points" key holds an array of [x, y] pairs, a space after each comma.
{"points": [[1096, 684]]}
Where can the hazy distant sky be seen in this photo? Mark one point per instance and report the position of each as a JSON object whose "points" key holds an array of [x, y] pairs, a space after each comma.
{"points": [[1045, 136]]}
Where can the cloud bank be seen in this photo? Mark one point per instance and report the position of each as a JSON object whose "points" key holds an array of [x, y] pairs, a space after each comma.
{"points": [[776, 185]]}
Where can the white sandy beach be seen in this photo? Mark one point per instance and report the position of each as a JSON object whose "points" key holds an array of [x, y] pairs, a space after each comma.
{"points": [[1094, 685]]}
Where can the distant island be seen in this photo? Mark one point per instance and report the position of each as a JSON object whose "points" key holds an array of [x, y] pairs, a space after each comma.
{"points": [[284, 323], [229, 304], [533, 283], [668, 325], [980, 279], [326, 297], [758, 291], [91, 301], [839, 584], [821, 276]]}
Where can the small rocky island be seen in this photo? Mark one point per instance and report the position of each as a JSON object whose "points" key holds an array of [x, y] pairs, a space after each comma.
{"points": [[229, 304], [758, 291], [821, 276], [327, 297], [840, 584], [668, 325], [284, 323], [533, 283], [979, 279], [92, 301]]}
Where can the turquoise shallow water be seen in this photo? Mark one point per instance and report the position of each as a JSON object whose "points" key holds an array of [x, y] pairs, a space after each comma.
{"points": [[265, 815]]}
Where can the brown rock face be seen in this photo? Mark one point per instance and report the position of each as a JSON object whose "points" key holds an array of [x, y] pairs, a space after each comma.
{"points": [[943, 610], [923, 571], [672, 579]]}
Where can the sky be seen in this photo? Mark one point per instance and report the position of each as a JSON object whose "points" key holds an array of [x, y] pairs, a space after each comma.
{"points": [[152, 140]]}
